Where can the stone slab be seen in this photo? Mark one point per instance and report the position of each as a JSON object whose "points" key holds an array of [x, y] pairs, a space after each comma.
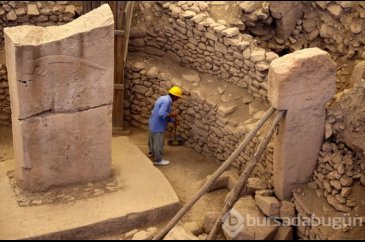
{"points": [[61, 90], [301, 83], [65, 148], [255, 226], [61, 68], [137, 204]]}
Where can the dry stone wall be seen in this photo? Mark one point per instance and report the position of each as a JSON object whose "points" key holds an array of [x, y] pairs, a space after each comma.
{"points": [[278, 26], [40, 13], [5, 110], [201, 43], [334, 26], [337, 172], [341, 160], [206, 126]]}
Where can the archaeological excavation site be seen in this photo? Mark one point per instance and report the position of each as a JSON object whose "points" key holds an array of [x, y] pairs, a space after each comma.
{"points": [[182, 120]]}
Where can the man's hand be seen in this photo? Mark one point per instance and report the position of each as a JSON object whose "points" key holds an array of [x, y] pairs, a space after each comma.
{"points": [[172, 115]]}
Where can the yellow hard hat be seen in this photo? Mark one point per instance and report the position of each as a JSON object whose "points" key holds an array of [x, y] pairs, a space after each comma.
{"points": [[176, 91]]}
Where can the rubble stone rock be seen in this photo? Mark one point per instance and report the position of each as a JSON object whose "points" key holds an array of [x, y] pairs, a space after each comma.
{"points": [[226, 109], [141, 235], [32, 10], [287, 210], [227, 180], [193, 227], [284, 233], [269, 206], [153, 72], [338, 206], [209, 221], [246, 208], [346, 181], [254, 184], [179, 233], [11, 16], [287, 14], [191, 76]]}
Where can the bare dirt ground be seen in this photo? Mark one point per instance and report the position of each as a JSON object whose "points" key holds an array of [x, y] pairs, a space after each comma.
{"points": [[6, 144], [186, 173]]}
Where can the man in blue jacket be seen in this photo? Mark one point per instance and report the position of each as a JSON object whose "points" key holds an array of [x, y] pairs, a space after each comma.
{"points": [[160, 117]]}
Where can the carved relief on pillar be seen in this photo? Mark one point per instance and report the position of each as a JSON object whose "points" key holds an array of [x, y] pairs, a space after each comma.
{"points": [[61, 90]]}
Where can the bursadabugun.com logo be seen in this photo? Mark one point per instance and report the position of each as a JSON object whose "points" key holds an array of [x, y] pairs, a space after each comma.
{"points": [[315, 221], [234, 222]]}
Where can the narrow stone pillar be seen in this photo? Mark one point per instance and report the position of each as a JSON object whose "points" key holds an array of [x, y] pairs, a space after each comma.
{"points": [[301, 83], [61, 90]]}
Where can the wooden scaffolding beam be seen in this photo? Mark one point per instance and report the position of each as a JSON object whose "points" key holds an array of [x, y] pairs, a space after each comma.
{"points": [[123, 12]]}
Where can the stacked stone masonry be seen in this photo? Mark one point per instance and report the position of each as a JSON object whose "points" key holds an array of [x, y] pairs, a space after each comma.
{"points": [[334, 26], [5, 111], [311, 207], [203, 44], [225, 49], [274, 26], [340, 162], [206, 126], [40, 13], [339, 178], [338, 170]]}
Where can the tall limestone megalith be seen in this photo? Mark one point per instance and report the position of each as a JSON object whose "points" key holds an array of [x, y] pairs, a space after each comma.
{"points": [[61, 90], [301, 83]]}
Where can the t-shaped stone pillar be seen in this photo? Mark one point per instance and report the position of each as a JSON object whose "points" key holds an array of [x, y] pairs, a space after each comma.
{"points": [[301, 83], [61, 89]]}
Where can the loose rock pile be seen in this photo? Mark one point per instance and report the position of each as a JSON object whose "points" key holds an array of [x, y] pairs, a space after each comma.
{"points": [[5, 110], [204, 44], [338, 169], [260, 206], [342, 166]]}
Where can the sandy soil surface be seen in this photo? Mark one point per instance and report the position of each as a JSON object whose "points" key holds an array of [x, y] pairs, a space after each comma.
{"points": [[6, 144], [186, 173]]}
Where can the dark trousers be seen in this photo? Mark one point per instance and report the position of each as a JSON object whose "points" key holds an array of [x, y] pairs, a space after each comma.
{"points": [[155, 144]]}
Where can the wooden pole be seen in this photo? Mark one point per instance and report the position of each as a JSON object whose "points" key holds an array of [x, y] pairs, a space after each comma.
{"points": [[237, 190], [87, 6], [215, 176], [124, 14]]}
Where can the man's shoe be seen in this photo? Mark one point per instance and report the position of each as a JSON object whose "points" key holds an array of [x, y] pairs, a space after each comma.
{"points": [[162, 163], [150, 155]]}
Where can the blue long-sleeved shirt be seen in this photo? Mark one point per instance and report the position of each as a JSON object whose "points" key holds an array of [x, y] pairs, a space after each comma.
{"points": [[160, 115]]}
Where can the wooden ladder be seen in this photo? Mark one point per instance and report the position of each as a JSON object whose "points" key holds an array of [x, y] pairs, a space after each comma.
{"points": [[123, 12]]}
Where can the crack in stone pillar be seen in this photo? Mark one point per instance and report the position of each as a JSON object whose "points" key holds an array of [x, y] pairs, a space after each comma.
{"points": [[301, 83]]}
